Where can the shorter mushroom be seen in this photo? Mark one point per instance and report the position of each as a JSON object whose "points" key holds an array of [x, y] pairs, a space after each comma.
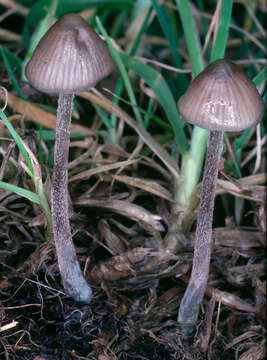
{"points": [[221, 98], [70, 58]]}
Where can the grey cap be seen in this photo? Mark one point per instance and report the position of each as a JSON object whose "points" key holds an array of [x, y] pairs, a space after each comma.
{"points": [[222, 97], [69, 58]]}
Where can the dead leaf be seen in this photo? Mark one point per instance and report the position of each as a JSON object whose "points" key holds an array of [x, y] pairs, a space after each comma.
{"points": [[35, 113], [135, 212], [149, 186]]}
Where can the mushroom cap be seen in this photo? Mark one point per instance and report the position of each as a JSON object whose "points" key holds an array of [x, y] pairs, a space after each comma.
{"points": [[69, 58], [222, 97]]}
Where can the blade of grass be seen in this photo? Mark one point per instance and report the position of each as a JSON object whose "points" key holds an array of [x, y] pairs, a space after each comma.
{"points": [[167, 30], [20, 191], [113, 117], [223, 31], [66, 6], [192, 162], [39, 187], [10, 73], [14, 61], [191, 36], [204, 24], [111, 129], [119, 25], [18, 142], [168, 25], [157, 83], [141, 33], [146, 137], [127, 83], [148, 114], [49, 135], [103, 16], [261, 77], [119, 85]]}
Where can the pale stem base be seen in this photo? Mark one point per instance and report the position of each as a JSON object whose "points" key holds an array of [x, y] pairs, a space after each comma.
{"points": [[189, 307], [72, 278]]}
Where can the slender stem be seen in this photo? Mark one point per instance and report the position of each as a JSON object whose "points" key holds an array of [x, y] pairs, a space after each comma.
{"points": [[194, 294], [184, 192], [192, 163], [71, 274]]}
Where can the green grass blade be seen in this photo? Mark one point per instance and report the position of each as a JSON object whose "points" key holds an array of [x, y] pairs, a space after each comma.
{"points": [[20, 191], [13, 60], [112, 131], [148, 114], [119, 25], [17, 140], [191, 167], [119, 85], [50, 135], [261, 77], [141, 33], [191, 36], [127, 83], [204, 24], [10, 73], [66, 6], [168, 22], [223, 31], [157, 83], [167, 30]]}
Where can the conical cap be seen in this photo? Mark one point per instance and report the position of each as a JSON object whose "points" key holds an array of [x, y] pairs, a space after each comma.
{"points": [[69, 58], [222, 97]]}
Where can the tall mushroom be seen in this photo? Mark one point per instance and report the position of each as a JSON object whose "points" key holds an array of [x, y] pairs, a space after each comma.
{"points": [[221, 98], [69, 58]]}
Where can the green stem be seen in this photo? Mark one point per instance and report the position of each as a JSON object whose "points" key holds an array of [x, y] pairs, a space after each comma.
{"points": [[192, 163]]}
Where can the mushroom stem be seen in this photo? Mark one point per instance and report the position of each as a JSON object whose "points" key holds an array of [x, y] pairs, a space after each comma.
{"points": [[71, 274], [189, 307]]}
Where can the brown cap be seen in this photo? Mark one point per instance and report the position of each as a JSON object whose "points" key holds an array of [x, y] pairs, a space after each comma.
{"points": [[222, 97], [69, 58]]}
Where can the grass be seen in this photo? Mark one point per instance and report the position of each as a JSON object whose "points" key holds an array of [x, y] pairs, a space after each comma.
{"points": [[135, 131]]}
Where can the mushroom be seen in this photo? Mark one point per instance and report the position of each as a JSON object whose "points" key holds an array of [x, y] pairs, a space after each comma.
{"points": [[69, 58], [221, 98]]}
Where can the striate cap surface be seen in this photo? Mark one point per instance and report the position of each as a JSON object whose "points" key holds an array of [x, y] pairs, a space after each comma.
{"points": [[69, 58], [222, 97]]}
